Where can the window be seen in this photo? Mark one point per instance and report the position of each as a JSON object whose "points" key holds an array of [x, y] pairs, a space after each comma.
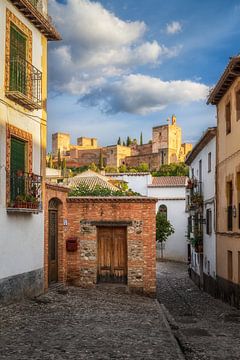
{"points": [[229, 206], [238, 105], [17, 167], [229, 265], [228, 118], [209, 221], [18, 52], [209, 162], [163, 210]]}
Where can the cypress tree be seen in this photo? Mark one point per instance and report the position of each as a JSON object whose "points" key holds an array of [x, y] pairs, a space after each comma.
{"points": [[119, 142], [141, 138], [59, 162]]}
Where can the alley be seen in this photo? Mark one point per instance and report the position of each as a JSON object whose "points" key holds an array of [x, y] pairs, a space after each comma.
{"points": [[101, 323], [205, 327]]}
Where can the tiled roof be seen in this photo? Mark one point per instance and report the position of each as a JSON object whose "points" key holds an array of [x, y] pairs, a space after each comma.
{"points": [[91, 179], [168, 181]]}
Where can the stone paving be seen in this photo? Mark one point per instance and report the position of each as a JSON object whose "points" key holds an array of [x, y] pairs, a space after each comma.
{"points": [[205, 327], [102, 323]]}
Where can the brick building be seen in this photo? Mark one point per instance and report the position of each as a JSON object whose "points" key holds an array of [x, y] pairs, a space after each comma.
{"points": [[100, 239]]}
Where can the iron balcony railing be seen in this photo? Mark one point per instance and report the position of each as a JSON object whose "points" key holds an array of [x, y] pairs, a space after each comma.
{"points": [[25, 191], [25, 83]]}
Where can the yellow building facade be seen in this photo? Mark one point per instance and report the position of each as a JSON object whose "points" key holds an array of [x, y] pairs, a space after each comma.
{"points": [[226, 97]]}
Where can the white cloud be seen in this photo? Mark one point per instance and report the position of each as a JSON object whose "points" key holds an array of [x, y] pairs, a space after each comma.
{"points": [[97, 46], [139, 94], [173, 28]]}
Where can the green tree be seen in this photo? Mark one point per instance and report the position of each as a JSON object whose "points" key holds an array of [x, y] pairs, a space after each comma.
{"points": [[64, 164], [119, 142], [163, 229], [124, 144], [59, 161], [50, 161], [141, 138], [129, 141], [143, 167], [101, 165], [93, 167], [179, 169], [111, 169], [122, 168]]}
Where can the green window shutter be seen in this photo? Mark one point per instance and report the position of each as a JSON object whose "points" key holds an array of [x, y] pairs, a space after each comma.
{"points": [[17, 155], [17, 163], [18, 52]]}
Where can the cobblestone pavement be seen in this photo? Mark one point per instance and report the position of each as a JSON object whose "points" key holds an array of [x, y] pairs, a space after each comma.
{"points": [[205, 327], [102, 323]]}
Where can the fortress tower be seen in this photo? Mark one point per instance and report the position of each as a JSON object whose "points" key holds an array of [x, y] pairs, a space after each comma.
{"points": [[167, 140]]}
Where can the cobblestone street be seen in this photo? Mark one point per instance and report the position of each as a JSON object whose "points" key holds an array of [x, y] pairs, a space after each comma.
{"points": [[205, 327], [101, 323]]}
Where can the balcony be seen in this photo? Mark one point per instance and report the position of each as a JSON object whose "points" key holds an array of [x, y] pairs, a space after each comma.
{"points": [[25, 84], [25, 193]]}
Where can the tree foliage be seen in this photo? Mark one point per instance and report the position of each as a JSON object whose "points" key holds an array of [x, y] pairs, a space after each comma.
{"points": [[179, 169], [163, 227], [85, 190], [59, 160], [119, 142], [141, 138]]}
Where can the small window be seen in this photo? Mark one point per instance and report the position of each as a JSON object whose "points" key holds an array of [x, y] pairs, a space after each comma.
{"points": [[163, 210], [229, 265], [238, 105], [209, 162], [209, 221], [228, 118]]}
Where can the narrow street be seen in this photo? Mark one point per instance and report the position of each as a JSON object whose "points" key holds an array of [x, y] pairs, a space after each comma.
{"points": [[102, 323], [205, 327]]}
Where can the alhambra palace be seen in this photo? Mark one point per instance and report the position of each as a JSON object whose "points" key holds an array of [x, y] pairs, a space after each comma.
{"points": [[166, 147]]}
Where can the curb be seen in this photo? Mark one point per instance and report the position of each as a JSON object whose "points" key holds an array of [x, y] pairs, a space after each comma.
{"points": [[175, 343]]}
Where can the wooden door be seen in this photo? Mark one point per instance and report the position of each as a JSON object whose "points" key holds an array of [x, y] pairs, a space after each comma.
{"points": [[112, 254], [52, 246]]}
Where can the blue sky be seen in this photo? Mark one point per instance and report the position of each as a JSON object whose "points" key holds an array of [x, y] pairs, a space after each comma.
{"points": [[124, 66]]}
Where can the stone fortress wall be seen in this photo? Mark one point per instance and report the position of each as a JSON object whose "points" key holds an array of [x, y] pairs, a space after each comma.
{"points": [[165, 148]]}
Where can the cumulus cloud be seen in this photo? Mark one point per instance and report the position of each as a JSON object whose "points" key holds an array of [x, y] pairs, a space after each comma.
{"points": [[97, 46], [173, 28], [139, 94]]}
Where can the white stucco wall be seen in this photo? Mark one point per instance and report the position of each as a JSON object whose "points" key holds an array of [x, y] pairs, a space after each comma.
{"points": [[22, 235], [175, 200], [208, 191], [136, 182]]}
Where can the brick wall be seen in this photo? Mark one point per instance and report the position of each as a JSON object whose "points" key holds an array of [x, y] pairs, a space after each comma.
{"points": [[84, 215]]}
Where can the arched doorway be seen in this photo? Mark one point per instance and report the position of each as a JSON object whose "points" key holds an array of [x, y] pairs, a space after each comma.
{"points": [[53, 206]]}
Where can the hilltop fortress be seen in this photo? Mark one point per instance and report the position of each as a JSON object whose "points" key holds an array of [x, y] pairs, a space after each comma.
{"points": [[166, 147]]}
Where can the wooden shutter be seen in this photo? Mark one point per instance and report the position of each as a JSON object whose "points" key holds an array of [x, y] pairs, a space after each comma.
{"points": [[18, 53], [18, 148]]}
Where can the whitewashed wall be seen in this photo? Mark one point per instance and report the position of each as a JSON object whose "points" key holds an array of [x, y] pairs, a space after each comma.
{"points": [[22, 235], [208, 191]]}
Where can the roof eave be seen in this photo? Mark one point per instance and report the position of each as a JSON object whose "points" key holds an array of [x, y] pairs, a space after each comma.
{"points": [[204, 140], [42, 23], [231, 72]]}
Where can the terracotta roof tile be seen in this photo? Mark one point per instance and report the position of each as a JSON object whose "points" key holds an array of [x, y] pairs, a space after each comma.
{"points": [[168, 181]]}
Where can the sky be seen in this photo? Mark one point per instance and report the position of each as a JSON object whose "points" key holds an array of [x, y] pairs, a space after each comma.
{"points": [[124, 66]]}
